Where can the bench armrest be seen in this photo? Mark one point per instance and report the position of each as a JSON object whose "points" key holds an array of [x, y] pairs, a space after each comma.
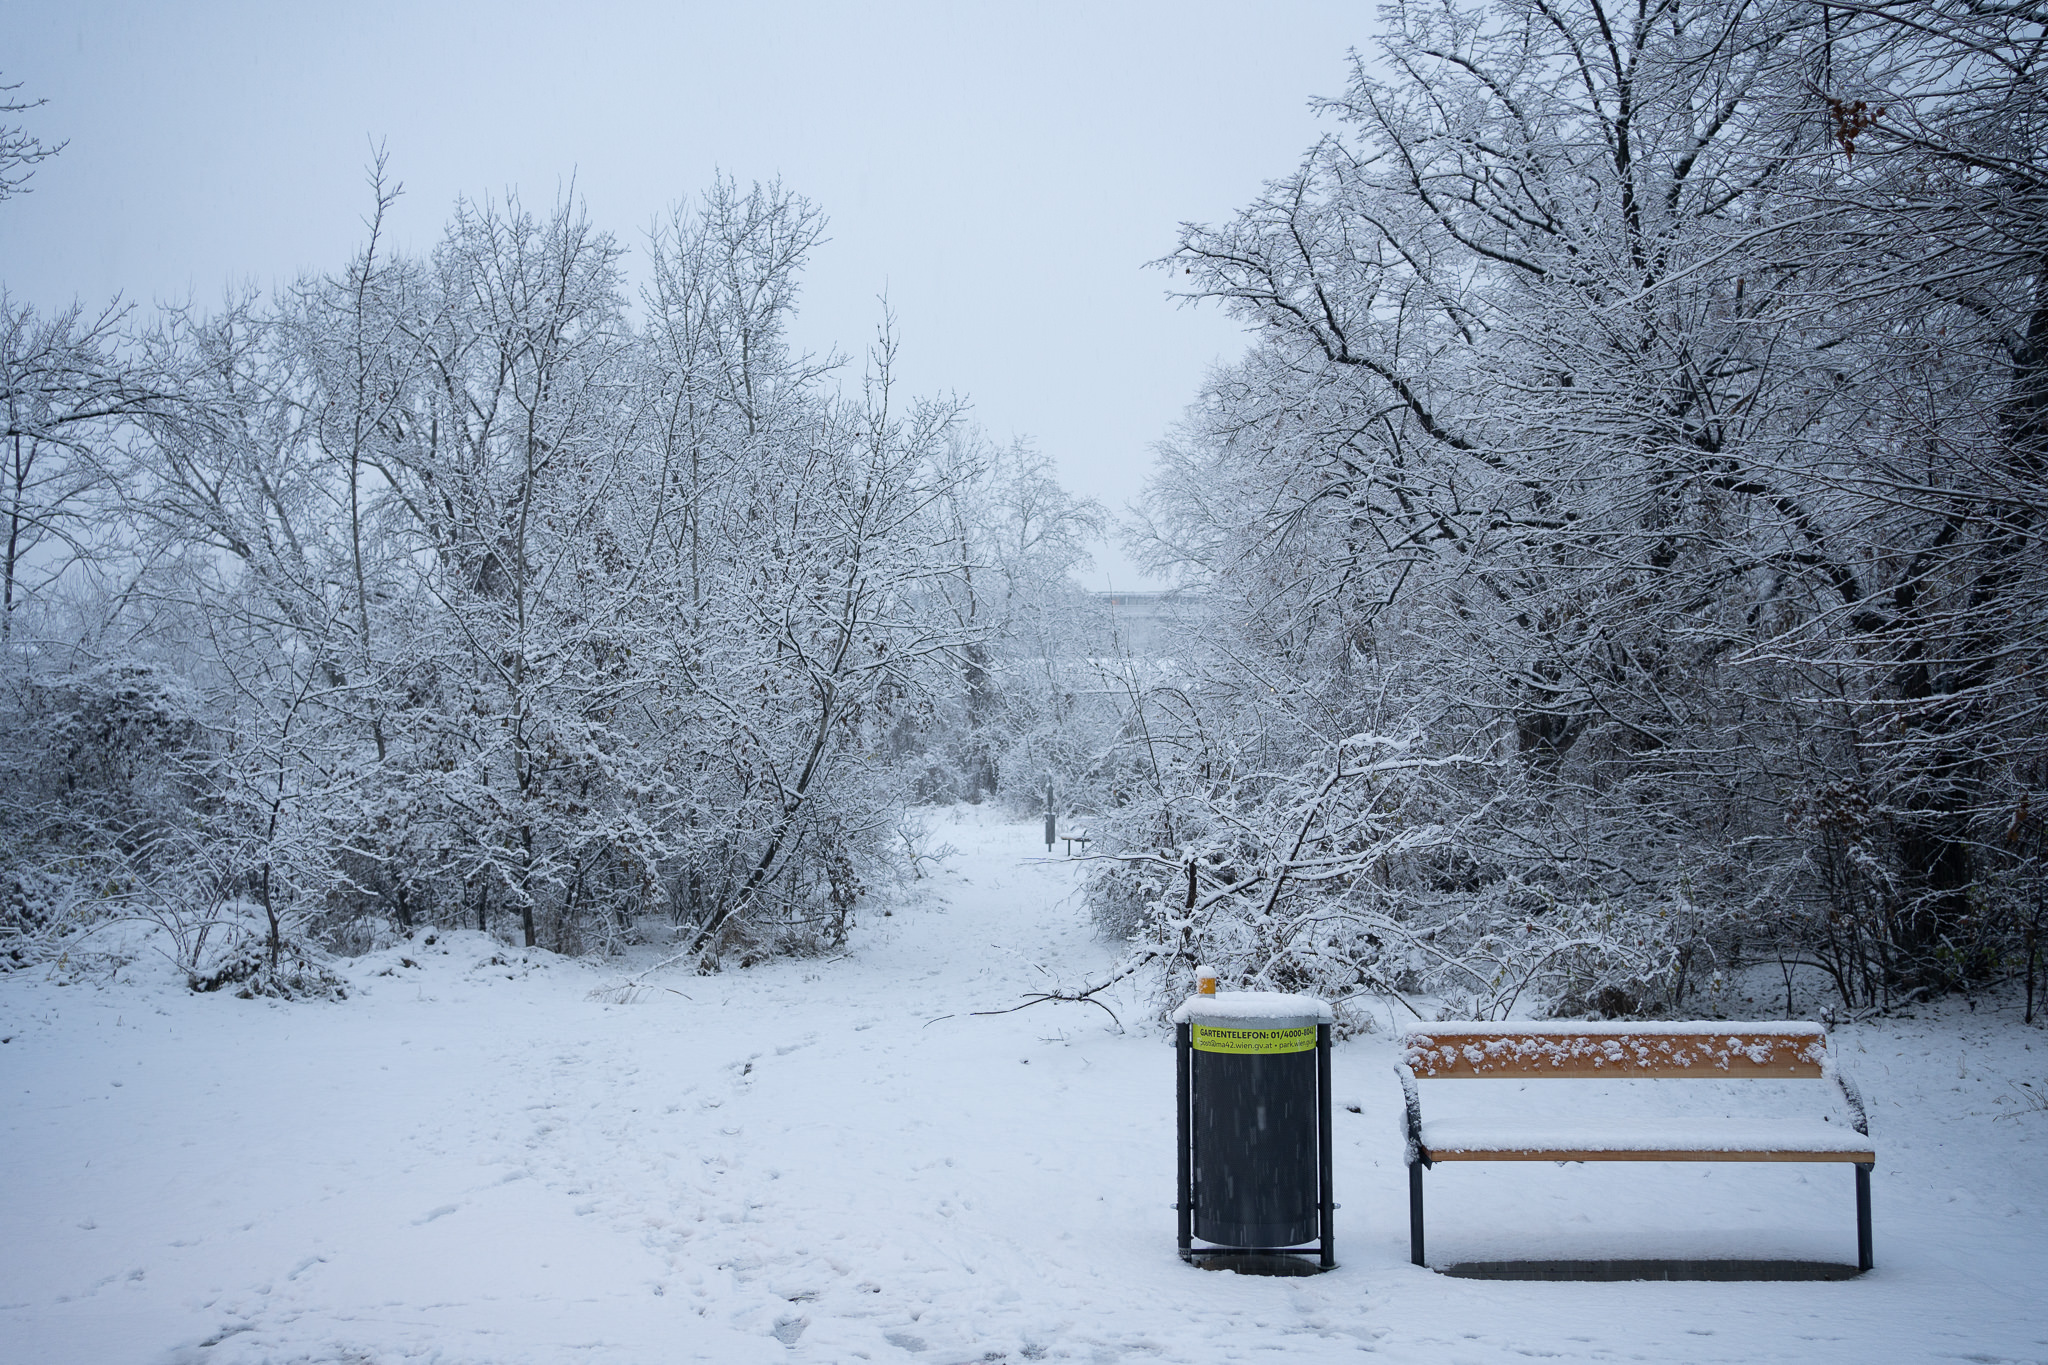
{"points": [[1859, 1117], [1411, 1118]]}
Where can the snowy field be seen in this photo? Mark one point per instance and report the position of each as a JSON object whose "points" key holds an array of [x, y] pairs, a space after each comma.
{"points": [[474, 1160]]}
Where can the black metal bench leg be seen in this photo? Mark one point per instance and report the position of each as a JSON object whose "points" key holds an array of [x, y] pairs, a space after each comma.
{"points": [[1864, 1260], [1415, 1212]]}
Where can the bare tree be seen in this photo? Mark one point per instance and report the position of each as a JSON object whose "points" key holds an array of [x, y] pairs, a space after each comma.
{"points": [[20, 150], [67, 389]]}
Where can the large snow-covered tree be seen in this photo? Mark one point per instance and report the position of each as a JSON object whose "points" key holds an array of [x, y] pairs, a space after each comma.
{"points": [[1568, 446]]}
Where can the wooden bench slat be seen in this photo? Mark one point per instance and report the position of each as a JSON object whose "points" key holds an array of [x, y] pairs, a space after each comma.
{"points": [[1501, 1054], [1694, 1154], [1706, 1138]]}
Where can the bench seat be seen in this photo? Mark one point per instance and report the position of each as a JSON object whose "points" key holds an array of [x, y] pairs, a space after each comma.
{"points": [[1705, 1139]]}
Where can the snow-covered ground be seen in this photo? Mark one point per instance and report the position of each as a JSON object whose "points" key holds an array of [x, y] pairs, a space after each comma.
{"points": [[474, 1160]]}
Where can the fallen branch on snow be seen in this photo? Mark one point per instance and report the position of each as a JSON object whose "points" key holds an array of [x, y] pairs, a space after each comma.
{"points": [[1085, 997]]}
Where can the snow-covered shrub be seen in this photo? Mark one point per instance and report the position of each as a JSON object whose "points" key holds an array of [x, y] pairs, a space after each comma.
{"points": [[102, 781], [249, 971]]}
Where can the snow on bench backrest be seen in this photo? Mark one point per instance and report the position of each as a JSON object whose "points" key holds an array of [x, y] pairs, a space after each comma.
{"points": [[1706, 1050]]}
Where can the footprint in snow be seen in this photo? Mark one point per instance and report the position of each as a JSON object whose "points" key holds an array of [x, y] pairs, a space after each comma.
{"points": [[431, 1214]]}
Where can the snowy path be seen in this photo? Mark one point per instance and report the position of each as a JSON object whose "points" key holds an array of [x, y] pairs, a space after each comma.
{"points": [[474, 1162]]}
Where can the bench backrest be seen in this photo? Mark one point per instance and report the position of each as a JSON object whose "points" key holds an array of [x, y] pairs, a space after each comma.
{"points": [[1691, 1051]]}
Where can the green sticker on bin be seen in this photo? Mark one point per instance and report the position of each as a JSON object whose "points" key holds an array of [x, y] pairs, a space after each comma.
{"points": [[1208, 1038]]}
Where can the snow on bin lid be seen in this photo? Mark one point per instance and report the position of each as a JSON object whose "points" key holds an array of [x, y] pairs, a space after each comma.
{"points": [[1266, 1008]]}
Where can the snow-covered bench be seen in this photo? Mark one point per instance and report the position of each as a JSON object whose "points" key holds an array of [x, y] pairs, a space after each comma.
{"points": [[1602, 1051]]}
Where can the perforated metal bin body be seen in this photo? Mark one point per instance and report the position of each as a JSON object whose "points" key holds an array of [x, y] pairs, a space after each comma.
{"points": [[1254, 1120]]}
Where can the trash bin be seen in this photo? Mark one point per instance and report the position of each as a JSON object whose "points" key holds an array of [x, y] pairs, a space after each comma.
{"points": [[1253, 1089]]}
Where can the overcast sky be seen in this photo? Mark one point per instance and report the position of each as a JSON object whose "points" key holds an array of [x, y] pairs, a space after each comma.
{"points": [[1002, 173]]}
